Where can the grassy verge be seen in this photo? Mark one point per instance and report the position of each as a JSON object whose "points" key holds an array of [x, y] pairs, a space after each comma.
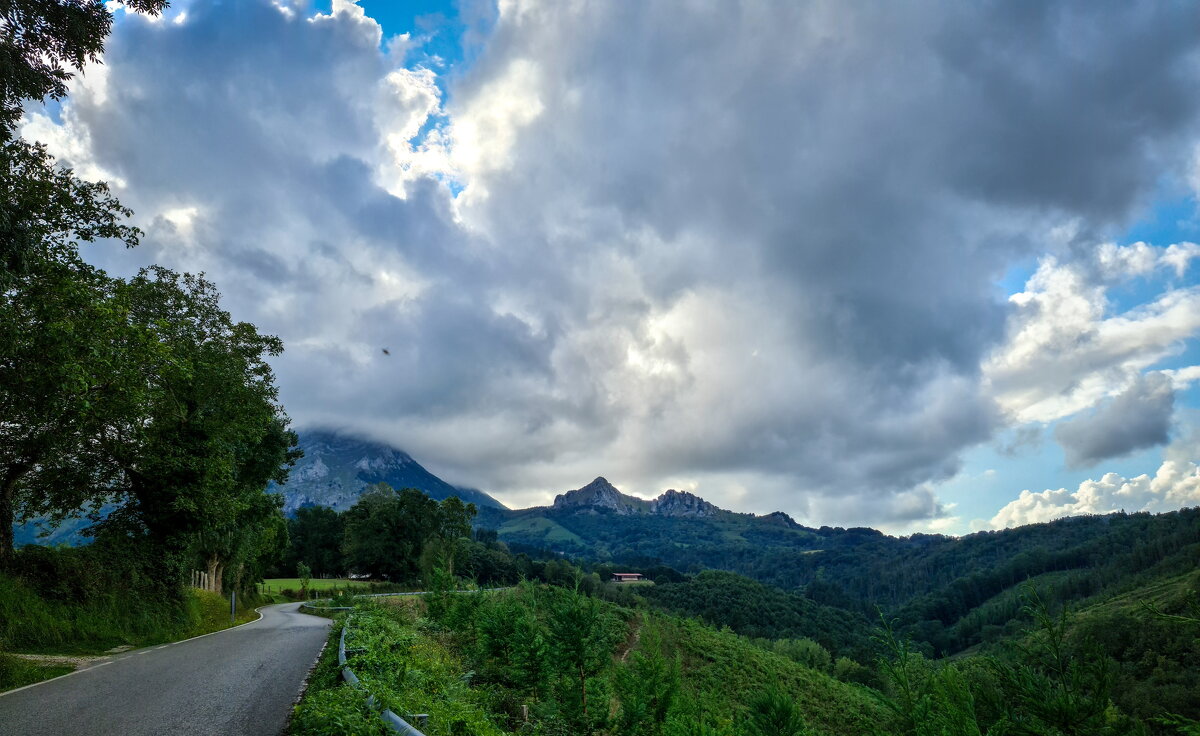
{"points": [[210, 612], [33, 625], [329, 707], [16, 672], [408, 669]]}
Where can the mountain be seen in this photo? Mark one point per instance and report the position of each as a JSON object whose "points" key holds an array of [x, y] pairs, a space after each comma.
{"points": [[337, 467], [600, 495], [950, 592], [600, 522]]}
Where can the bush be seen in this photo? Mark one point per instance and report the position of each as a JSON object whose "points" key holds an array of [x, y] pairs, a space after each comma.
{"points": [[806, 652], [341, 711]]}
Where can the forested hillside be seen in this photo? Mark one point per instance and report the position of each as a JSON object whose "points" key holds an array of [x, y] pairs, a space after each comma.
{"points": [[548, 660]]}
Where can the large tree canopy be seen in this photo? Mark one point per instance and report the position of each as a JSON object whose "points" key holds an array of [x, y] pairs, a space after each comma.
{"points": [[387, 532], [142, 394]]}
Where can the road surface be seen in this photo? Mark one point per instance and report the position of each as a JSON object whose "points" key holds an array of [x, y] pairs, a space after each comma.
{"points": [[241, 681]]}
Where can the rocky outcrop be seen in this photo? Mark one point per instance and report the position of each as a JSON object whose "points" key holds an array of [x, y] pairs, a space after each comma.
{"points": [[602, 495], [599, 494], [681, 503]]}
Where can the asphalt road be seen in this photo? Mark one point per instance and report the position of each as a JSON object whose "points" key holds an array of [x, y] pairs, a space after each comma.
{"points": [[234, 682]]}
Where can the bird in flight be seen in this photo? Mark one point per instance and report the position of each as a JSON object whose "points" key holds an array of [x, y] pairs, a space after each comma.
{"points": [[387, 352]]}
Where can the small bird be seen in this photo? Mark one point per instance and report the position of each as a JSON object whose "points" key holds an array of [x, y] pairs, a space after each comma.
{"points": [[387, 352]]}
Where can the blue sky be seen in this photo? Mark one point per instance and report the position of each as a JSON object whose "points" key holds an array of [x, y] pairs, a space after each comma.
{"points": [[766, 255]]}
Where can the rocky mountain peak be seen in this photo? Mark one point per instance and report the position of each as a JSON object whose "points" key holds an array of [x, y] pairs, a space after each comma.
{"points": [[598, 494], [681, 503]]}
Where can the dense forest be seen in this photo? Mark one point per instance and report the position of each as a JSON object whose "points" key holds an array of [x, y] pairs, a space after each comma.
{"points": [[1113, 590]]}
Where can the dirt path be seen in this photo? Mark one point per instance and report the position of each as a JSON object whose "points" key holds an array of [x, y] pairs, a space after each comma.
{"points": [[634, 637]]}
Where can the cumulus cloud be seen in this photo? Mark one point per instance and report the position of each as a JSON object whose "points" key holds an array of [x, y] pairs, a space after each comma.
{"points": [[1135, 419], [1175, 485], [752, 250], [1068, 349]]}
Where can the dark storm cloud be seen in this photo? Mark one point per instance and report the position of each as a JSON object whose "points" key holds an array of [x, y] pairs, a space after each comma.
{"points": [[1134, 420], [697, 241], [869, 175]]}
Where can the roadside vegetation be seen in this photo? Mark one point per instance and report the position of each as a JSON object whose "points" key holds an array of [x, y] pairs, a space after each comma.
{"points": [[551, 660]]}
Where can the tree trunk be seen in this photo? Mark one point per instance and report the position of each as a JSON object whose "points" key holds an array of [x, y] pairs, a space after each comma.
{"points": [[214, 574], [583, 690]]}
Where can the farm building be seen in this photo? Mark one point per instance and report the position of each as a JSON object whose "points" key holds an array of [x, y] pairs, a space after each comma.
{"points": [[627, 577]]}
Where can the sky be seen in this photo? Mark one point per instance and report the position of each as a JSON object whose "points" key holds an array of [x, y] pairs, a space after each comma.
{"points": [[928, 266]]}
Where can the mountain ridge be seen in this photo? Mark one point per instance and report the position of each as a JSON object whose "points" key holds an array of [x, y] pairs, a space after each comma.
{"points": [[600, 494]]}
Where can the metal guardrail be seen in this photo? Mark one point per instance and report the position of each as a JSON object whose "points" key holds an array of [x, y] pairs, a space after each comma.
{"points": [[390, 719]]}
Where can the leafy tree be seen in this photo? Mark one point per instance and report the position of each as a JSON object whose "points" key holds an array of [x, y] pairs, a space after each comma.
{"points": [[46, 212], [805, 651], [305, 575], [511, 645], [208, 433], [386, 531], [447, 543], [316, 534], [44, 209], [64, 385], [41, 40], [581, 634]]}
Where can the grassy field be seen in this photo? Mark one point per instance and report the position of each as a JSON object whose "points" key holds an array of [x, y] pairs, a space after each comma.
{"points": [[549, 531], [211, 613], [274, 585], [272, 589]]}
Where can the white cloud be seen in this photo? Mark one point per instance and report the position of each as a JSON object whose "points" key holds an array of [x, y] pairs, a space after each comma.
{"points": [[1179, 256], [1175, 485], [1067, 350], [752, 251]]}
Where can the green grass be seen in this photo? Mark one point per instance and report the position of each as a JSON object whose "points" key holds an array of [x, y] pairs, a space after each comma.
{"points": [[210, 612], [16, 672], [272, 589], [274, 585], [406, 668], [538, 526]]}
